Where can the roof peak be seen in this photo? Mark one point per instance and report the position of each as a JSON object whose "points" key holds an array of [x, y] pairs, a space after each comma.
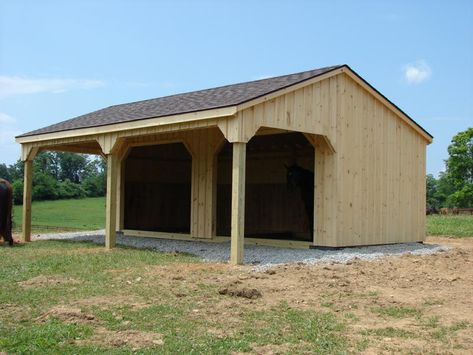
{"points": [[329, 68]]}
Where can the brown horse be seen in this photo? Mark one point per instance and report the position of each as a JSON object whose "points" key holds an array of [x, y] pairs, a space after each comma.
{"points": [[6, 211]]}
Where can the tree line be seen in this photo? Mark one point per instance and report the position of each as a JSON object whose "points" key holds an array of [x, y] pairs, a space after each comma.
{"points": [[59, 175], [454, 187]]}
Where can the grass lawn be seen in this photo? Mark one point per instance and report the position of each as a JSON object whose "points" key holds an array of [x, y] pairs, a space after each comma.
{"points": [[71, 297], [64, 215], [450, 225]]}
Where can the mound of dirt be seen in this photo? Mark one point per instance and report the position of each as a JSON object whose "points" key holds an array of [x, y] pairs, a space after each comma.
{"points": [[42, 281], [67, 314], [250, 293], [132, 338]]}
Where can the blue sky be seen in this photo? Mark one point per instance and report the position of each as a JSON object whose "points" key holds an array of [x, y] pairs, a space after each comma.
{"points": [[60, 59]]}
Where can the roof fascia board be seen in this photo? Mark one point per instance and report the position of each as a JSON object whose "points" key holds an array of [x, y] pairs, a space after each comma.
{"points": [[132, 125]]}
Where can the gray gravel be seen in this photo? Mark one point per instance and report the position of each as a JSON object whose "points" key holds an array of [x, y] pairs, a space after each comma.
{"points": [[262, 256]]}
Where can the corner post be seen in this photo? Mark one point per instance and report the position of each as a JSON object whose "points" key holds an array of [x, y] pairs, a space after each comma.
{"points": [[110, 144], [111, 202], [27, 155], [238, 203], [27, 191]]}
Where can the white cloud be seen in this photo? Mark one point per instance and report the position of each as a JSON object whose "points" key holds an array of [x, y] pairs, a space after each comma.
{"points": [[8, 136], [9, 149], [5, 119], [13, 85], [417, 72]]}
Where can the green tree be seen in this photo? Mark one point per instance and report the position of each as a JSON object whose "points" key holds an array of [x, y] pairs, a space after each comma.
{"points": [[71, 166], [460, 161], [460, 170], [432, 198], [4, 172]]}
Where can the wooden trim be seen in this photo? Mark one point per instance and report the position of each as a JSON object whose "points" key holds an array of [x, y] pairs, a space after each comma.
{"points": [[387, 103], [73, 149], [173, 236], [28, 152], [238, 203], [132, 125], [295, 244]]}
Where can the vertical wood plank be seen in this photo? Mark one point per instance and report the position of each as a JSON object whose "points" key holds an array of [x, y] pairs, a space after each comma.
{"points": [[27, 191], [111, 202], [238, 202]]}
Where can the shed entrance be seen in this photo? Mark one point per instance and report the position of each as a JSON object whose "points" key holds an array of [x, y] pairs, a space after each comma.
{"points": [[272, 209], [158, 188]]}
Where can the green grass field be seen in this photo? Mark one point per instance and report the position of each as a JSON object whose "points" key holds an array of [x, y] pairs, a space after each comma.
{"points": [[64, 215], [89, 214], [451, 225]]}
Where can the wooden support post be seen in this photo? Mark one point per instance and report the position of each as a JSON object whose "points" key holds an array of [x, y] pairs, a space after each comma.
{"points": [[238, 203], [315, 212], [27, 191], [111, 202]]}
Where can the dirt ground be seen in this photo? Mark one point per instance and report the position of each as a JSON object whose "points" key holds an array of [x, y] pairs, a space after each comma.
{"points": [[408, 303], [418, 304]]}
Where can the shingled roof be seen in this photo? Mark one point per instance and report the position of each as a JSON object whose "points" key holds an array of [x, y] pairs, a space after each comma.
{"points": [[219, 97]]}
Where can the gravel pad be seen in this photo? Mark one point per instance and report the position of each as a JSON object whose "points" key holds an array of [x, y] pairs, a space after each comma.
{"points": [[263, 256]]}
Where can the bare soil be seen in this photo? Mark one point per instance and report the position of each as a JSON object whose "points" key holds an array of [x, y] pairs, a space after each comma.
{"points": [[401, 304], [42, 280], [421, 296]]}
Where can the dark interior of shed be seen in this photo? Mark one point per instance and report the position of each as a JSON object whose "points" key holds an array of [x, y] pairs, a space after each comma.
{"points": [[158, 188], [272, 209]]}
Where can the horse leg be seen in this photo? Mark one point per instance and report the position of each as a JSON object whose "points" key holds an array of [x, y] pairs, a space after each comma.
{"points": [[8, 231]]}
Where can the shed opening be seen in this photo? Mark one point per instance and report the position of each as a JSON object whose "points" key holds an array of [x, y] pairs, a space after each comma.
{"points": [[158, 188], [273, 209]]}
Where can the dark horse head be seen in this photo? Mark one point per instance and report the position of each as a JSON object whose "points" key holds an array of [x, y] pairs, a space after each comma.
{"points": [[6, 196], [302, 179], [297, 176]]}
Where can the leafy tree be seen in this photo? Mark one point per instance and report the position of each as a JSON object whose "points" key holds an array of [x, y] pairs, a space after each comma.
{"points": [[46, 162], [460, 161], [45, 186], [432, 198], [71, 166], [4, 172], [17, 186], [462, 198], [16, 170], [68, 189], [459, 174]]}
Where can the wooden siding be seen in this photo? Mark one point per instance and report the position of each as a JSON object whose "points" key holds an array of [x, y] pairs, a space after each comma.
{"points": [[369, 163], [380, 173]]}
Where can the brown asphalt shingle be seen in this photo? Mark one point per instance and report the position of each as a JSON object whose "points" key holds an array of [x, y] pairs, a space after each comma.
{"points": [[219, 97], [224, 96]]}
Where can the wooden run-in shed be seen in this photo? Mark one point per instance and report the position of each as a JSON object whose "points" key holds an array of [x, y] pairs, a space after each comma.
{"points": [[211, 164]]}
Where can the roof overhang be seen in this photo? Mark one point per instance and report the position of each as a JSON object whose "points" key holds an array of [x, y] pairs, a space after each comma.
{"points": [[131, 125], [223, 112]]}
